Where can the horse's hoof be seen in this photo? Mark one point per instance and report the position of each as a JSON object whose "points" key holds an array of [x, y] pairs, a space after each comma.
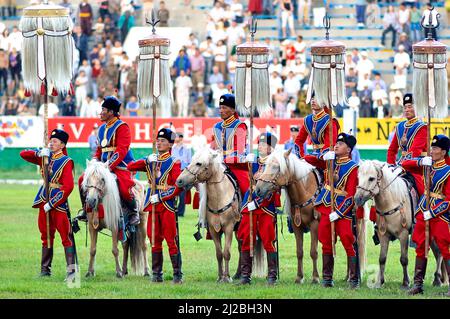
{"points": [[227, 279], [146, 274], [90, 274], [437, 283], [378, 285], [299, 280], [119, 274], [219, 280], [237, 276], [315, 281], [404, 286]]}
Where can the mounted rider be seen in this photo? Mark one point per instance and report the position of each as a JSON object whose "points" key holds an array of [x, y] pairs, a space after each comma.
{"points": [[167, 171], [114, 139], [316, 126], [439, 213], [264, 217], [60, 179], [345, 182], [230, 137]]}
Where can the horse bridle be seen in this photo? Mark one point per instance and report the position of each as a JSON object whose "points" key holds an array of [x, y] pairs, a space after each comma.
{"points": [[199, 172], [379, 178], [100, 191]]}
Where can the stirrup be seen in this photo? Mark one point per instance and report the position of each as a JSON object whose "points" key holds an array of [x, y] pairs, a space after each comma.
{"points": [[82, 216]]}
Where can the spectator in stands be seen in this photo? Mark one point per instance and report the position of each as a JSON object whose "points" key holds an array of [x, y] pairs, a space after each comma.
{"points": [[268, 7], [217, 13], [220, 58], [354, 102], [103, 9], [183, 154], [81, 42], [4, 65], [349, 64], [81, 88], [90, 107], [181, 63], [93, 140], [377, 80], [304, 7], [364, 82], [396, 108], [163, 14], [85, 15], [280, 99], [199, 108], [68, 107], [291, 107], [290, 143], [53, 110], [8, 9], [292, 85], [275, 83], [132, 106], [300, 71], [207, 50], [372, 14], [126, 22], [198, 140], [288, 52], [276, 66], [300, 48], [407, 45], [217, 91], [238, 11], [351, 81], [234, 33], [5, 42], [380, 100], [216, 77], [364, 66], [231, 66], [15, 39], [255, 6], [404, 18], [361, 12], [183, 85], [197, 68], [365, 109], [390, 24], [401, 65], [415, 27], [287, 17]]}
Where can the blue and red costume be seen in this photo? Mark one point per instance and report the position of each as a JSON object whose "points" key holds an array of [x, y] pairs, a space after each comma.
{"points": [[230, 136], [60, 179], [316, 126]]}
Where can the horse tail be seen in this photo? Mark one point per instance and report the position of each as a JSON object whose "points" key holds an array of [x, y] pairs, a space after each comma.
{"points": [[137, 240], [361, 229], [202, 206], [259, 257]]}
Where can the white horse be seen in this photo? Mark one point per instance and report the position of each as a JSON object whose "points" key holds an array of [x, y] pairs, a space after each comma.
{"points": [[219, 206], [395, 204], [100, 187]]}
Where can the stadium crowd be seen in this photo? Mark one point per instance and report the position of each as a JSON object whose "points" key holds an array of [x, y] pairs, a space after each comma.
{"points": [[205, 68]]}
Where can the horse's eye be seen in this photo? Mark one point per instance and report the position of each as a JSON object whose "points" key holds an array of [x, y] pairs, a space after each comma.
{"points": [[198, 164], [371, 179]]}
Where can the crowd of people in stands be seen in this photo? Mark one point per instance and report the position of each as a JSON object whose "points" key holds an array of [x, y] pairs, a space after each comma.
{"points": [[205, 68]]}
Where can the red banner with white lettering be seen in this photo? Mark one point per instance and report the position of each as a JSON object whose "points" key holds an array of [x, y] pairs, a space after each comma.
{"points": [[79, 129]]}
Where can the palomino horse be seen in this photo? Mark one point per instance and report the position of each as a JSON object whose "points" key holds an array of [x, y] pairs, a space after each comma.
{"points": [[284, 169], [395, 205], [100, 187], [219, 204]]}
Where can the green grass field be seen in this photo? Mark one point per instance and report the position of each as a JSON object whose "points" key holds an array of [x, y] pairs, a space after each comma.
{"points": [[20, 264]]}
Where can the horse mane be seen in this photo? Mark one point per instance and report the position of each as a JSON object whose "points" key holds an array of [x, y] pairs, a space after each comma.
{"points": [[301, 167], [111, 199], [301, 170]]}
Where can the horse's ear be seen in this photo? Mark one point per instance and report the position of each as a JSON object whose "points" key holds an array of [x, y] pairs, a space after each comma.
{"points": [[288, 152]]}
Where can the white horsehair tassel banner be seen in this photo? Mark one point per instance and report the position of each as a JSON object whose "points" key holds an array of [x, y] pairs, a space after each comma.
{"points": [[249, 65], [431, 66], [156, 57]]}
